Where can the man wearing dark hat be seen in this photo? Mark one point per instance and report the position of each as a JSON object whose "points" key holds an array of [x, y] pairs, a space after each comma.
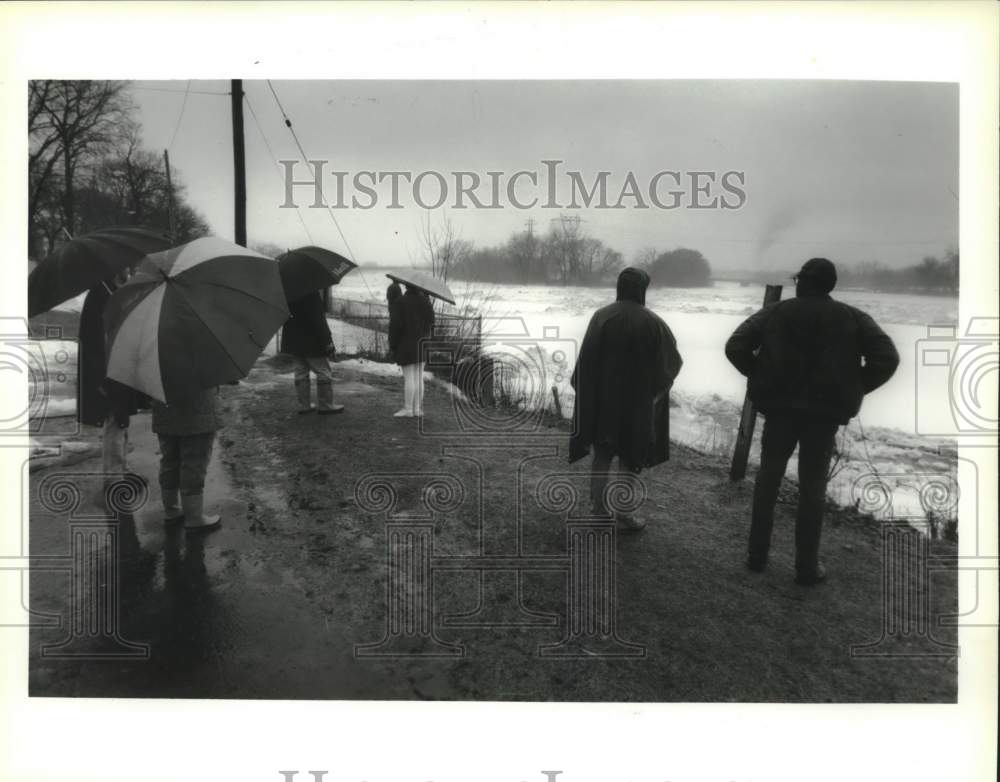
{"points": [[626, 366], [809, 362]]}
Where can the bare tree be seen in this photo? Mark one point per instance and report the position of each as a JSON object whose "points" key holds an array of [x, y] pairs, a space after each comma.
{"points": [[645, 257], [564, 249], [599, 260], [524, 252], [443, 247], [71, 125], [129, 186]]}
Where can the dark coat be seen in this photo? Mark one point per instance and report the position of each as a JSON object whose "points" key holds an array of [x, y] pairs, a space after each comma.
{"points": [[196, 415], [628, 362], [411, 318], [306, 332], [805, 354], [97, 396]]}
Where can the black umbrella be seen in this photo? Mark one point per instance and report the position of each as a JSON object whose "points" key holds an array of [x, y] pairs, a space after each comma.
{"points": [[83, 262], [309, 269]]}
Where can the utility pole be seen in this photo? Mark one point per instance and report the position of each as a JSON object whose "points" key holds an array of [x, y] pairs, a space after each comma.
{"points": [[239, 164], [531, 226], [748, 418], [170, 198]]}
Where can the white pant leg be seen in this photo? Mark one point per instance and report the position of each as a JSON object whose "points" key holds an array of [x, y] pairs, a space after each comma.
{"points": [[418, 383], [409, 386]]}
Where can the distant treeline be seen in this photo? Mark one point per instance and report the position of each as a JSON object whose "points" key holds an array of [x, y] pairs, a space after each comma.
{"points": [[931, 276], [567, 256]]}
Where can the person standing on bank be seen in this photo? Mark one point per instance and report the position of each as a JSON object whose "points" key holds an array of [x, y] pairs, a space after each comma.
{"points": [[809, 362], [411, 320], [186, 430], [306, 337], [627, 364]]}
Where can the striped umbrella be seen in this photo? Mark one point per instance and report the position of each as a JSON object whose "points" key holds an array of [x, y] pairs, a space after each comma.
{"points": [[85, 261], [193, 317], [309, 269]]}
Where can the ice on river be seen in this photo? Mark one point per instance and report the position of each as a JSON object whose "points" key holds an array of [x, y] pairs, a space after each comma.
{"points": [[535, 331]]}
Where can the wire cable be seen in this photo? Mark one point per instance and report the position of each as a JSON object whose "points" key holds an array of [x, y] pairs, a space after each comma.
{"points": [[260, 130], [305, 158], [168, 89], [180, 116]]}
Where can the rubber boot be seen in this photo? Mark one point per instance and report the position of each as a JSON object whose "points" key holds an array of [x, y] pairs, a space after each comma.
{"points": [[194, 517], [171, 505]]}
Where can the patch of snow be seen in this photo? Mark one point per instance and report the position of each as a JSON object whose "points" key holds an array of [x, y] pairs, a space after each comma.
{"points": [[374, 367], [56, 407]]}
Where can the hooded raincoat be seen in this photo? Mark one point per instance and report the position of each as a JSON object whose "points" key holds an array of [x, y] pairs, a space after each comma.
{"points": [[626, 366]]}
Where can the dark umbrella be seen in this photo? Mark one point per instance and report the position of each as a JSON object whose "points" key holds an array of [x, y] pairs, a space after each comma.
{"points": [[193, 317], [83, 262], [425, 282], [309, 269]]}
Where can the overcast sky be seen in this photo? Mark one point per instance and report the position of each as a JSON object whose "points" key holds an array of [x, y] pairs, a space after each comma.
{"points": [[855, 171]]}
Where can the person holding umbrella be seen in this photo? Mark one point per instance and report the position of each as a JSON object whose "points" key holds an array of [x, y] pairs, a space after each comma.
{"points": [[186, 431], [192, 318], [410, 321], [97, 262], [306, 337], [102, 402], [305, 272]]}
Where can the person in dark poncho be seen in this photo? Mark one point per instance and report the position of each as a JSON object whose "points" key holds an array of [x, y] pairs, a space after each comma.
{"points": [[809, 362], [627, 364]]}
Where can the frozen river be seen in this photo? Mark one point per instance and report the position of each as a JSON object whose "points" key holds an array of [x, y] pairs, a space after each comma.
{"points": [[541, 326]]}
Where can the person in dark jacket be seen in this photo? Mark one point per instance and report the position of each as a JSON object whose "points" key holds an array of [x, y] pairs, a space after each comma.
{"points": [[411, 319], [306, 337], [101, 401], [627, 364], [186, 430], [809, 362], [393, 292], [392, 295]]}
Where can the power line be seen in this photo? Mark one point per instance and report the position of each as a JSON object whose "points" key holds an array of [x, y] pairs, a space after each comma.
{"points": [[180, 116], [169, 89], [305, 158], [260, 130]]}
